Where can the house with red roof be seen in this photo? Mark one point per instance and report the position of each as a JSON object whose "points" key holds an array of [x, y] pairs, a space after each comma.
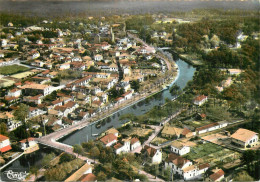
{"points": [[5, 144], [244, 138], [199, 100], [218, 175], [154, 155], [28, 143], [109, 139], [184, 167], [134, 142], [90, 177]]}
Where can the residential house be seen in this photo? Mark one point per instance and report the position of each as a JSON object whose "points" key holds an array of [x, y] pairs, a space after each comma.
{"points": [[85, 169], [5, 144], [135, 143], [122, 148], [199, 100], [98, 57], [244, 138], [35, 99], [28, 143], [154, 155], [88, 178], [109, 139], [184, 167], [218, 175], [38, 88], [179, 148], [14, 92]]}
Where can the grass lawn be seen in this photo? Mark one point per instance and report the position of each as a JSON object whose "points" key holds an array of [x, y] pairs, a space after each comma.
{"points": [[203, 150], [12, 69]]}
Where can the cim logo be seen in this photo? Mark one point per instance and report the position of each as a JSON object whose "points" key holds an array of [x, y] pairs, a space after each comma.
{"points": [[15, 176]]}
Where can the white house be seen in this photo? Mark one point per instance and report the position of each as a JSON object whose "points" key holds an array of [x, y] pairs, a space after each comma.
{"points": [[14, 92], [109, 140], [98, 57], [154, 155], [122, 148], [28, 143], [244, 138], [128, 95], [184, 167], [201, 99], [39, 88], [4, 144], [218, 175], [135, 143], [179, 148]]}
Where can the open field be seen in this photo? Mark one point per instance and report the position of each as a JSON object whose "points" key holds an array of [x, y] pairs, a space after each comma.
{"points": [[23, 75], [158, 140], [6, 82], [12, 69], [138, 131]]}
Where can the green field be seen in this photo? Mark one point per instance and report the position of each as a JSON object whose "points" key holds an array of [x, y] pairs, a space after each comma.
{"points": [[12, 69], [203, 150]]}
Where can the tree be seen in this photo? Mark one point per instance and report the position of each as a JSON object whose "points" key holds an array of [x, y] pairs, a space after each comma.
{"points": [[46, 159], [3, 129], [65, 157], [78, 149], [243, 176], [135, 85], [94, 152], [101, 176], [34, 170], [22, 112]]}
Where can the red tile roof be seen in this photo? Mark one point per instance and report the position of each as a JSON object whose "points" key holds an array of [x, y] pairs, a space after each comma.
{"points": [[200, 98], [3, 138], [217, 175], [134, 140], [151, 151], [108, 138], [28, 139], [118, 145], [6, 148], [88, 177], [177, 160], [203, 166], [207, 126]]}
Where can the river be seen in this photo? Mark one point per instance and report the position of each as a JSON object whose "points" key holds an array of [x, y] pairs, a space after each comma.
{"points": [[186, 73]]}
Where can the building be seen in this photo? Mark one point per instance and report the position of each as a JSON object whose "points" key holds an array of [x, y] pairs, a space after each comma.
{"points": [[173, 132], [88, 178], [109, 140], [122, 148], [218, 175], [199, 100], [154, 155], [211, 127], [184, 167], [244, 138], [28, 143], [179, 148], [112, 131], [135, 143], [38, 89], [85, 169], [4, 144]]}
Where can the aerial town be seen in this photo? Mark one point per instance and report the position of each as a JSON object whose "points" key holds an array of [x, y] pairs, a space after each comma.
{"points": [[108, 98]]}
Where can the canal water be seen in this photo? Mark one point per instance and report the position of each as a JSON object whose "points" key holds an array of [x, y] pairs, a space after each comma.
{"points": [[186, 73]]}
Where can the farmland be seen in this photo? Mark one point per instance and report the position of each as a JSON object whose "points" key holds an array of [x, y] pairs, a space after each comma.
{"points": [[12, 69]]}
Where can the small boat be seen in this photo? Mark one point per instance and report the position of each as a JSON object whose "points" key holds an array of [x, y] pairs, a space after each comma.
{"points": [[95, 134], [98, 125]]}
